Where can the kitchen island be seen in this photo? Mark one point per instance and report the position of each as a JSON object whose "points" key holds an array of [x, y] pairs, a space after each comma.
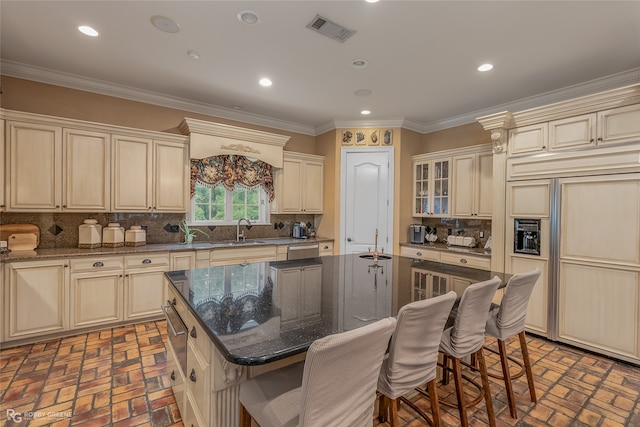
{"points": [[247, 319]]}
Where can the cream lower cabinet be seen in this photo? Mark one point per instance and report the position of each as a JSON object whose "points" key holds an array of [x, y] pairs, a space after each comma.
{"points": [[426, 254], [96, 291], [472, 185], [182, 260], [242, 255], [145, 288], [326, 248], [299, 185], [148, 175], [427, 284], [36, 298]]}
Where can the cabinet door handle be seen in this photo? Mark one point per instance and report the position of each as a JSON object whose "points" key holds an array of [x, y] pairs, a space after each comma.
{"points": [[463, 261], [173, 301], [146, 261], [64, 206], [193, 333], [173, 375], [599, 138], [326, 247], [192, 375], [592, 140], [98, 264]]}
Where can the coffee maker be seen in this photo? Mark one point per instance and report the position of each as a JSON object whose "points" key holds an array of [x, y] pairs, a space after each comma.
{"points": [[416, 233]]}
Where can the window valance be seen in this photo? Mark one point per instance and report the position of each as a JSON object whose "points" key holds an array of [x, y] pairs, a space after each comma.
{"points": [[230, 171]]}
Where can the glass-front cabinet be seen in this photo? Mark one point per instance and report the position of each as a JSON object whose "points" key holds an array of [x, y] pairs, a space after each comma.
{"points": [[427, 284], [431, 187]]}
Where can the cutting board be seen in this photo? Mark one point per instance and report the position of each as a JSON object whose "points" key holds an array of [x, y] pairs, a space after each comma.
{"points": [[22, 242], [7, 230]]}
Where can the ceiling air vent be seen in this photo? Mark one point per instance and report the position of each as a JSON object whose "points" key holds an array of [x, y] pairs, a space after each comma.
{"points": [[330, 29]]}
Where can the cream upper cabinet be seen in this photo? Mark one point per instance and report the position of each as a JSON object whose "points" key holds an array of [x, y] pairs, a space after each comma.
{"points": [[619, 125], [87, 171], [472, 185], [132, 174], [35, 300], [528, 139], [34, 167], [573, 132], [299, 185], [431, 187], [149, 176]]}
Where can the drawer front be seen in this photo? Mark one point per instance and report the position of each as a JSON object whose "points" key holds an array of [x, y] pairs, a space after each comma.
{"points": [[466, 261], [176, 378], [326, 248], [147, 260], [84, 265], [197, 336], [426, 254], [244, 253], [179, 305]]}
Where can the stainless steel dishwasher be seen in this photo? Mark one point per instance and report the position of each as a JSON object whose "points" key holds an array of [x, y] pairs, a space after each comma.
{"points": [[303, 251]]}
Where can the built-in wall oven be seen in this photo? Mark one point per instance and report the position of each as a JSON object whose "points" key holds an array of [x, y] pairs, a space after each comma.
{"points": [[176, 333]]}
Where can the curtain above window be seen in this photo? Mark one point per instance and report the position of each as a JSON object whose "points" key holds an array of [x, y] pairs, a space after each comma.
{"points": [[230, 171]]}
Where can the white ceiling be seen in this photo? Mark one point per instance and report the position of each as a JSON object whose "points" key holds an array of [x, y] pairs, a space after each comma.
{"points": [[422, 56]]}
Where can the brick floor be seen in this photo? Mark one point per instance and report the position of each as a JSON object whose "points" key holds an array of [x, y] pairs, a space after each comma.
{"points": [[117, 377]]}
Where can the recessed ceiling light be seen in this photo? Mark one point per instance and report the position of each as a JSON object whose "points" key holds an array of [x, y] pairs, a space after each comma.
{"points": [[87, 30], [372, 1], [248, 17], [359, 63], [265, 82], [365, 112], [485, 67], [362, 92], [165, 24], [193, 54]]}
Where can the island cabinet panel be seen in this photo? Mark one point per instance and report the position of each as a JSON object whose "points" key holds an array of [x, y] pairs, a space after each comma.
{"points": [[36, 298], [96, 291], [176, 378], [34, 167], [144, 285]]}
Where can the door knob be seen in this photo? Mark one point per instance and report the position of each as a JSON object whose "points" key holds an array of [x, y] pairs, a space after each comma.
{"points": [[348, 239]]}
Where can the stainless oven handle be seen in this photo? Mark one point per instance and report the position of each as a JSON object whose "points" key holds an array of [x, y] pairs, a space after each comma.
{"points": [[166, 315]]}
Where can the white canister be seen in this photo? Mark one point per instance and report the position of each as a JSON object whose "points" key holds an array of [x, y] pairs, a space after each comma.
{"points": [[113, 235], [90, 234], [135, 236]]}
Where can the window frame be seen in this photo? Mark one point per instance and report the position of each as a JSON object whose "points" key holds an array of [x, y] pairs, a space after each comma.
{"points": [[263, 208]]}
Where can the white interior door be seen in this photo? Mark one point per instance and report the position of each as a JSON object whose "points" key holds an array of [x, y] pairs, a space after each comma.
{"points": [[366, 199]]}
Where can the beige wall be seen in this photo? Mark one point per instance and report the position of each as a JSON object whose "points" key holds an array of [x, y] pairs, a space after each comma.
{"points": [[41, 98], [409, 145], [456, 137], [330, 220]]}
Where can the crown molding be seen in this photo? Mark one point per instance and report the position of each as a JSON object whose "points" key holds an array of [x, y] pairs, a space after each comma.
{"points": [[72, 81]]}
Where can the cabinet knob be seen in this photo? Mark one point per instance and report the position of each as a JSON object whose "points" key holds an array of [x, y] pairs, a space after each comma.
{"points": [[57, 206], [173, 375], [64, 206], [592, 140], [192, 375], [600, 138], [463, 261], [348, 239], [193, 333], [544, 147], [98, 264], [419, 253], [326, 247]]}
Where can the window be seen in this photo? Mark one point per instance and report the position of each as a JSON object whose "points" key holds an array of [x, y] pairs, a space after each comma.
{"points": [[218, 206]]}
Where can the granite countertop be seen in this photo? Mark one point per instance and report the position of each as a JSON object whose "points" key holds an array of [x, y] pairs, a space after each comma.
{"points": [[443, 247], [259, 322], [160, 247]]}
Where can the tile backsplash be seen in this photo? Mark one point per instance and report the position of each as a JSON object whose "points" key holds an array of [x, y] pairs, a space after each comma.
{"points": [[460, 226], [60, 230]]}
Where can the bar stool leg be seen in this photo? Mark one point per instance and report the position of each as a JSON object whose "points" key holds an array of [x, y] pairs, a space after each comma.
{"points": [[435, 405], [457, 379], [502, 349], [527, 366], [485, 386]]}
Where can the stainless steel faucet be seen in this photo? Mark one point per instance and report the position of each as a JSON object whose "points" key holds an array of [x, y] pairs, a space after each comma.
{"points": [[241, 234]]}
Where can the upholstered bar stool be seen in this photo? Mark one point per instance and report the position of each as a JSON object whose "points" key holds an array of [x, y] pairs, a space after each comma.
{"points": [[413, 357], [466, 338], [335, 386], [507, 320]]}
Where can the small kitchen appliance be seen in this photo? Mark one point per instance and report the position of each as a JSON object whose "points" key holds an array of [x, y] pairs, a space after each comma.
{"points": [[299, 230], [416, 233]]}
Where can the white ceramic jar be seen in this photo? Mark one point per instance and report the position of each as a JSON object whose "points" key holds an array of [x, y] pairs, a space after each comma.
{"points": [[113, 235], [90, 234], [135, 236]]}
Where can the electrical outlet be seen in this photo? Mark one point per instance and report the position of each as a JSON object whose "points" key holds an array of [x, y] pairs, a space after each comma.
{"points": [[481, 234], [174, 229], [448, 232]]}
